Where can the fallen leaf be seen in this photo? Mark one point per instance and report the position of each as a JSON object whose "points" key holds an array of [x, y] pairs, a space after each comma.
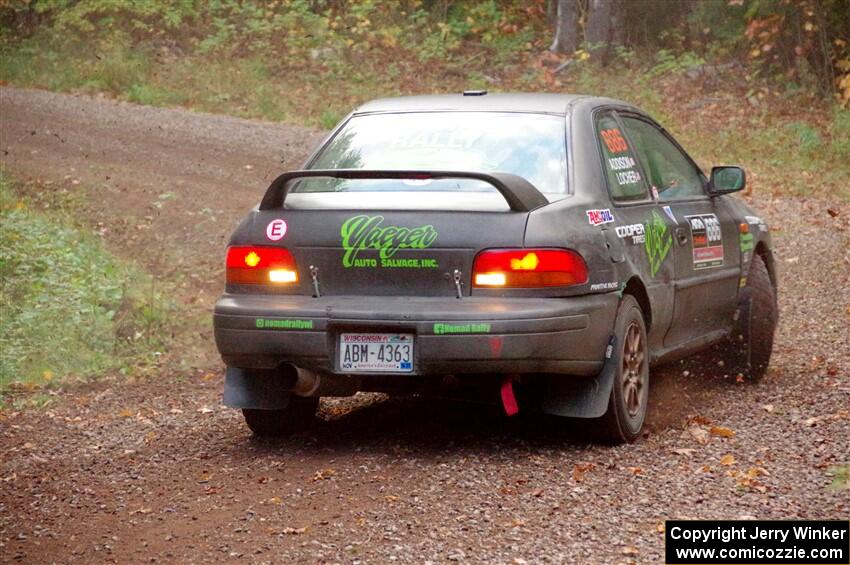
{"points": [[293, 531], [126, 413], [686, 451], [205, 410], [629, 551], [699, 420], [727, 460], [275, 500], [721, 431], [811, 422], [636, 470], [698, 433], [580, 469], [323, 474], [391, 498], [768, 408]]}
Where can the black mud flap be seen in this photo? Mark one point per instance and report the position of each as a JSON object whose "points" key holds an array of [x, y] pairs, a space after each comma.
{"points": [[583, 397], [738, 342], [260, 390]]}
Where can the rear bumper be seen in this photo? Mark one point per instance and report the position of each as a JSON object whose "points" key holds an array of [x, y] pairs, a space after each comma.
{"points": [[471, 335]]}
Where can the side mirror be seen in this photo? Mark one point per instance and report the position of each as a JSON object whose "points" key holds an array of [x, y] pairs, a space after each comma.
{"points": [[725, 180]]}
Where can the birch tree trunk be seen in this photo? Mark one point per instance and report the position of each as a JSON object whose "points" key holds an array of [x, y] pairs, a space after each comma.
{"points": [[566, 27]]}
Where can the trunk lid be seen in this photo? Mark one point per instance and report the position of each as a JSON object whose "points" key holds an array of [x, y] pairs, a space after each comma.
{"points": [[386, 252]]}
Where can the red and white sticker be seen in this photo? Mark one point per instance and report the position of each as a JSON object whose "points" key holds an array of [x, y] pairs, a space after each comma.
{"points": [[276, 230]]}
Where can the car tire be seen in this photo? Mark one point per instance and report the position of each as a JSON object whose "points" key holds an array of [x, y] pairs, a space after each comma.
{"points": [[297, 415], [627, 406], [750, 345]]}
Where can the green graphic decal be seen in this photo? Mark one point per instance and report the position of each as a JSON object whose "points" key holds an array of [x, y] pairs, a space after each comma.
{"points": [[440, 329], [746, 242], [268, 324], [658, 242], [366, 232]]}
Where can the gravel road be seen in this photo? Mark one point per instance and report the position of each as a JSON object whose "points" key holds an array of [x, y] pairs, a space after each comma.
{"points": [[154, 469]]}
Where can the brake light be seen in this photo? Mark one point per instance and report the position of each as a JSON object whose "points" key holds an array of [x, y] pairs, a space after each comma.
{"points": [[253, 264], [528, 268]]}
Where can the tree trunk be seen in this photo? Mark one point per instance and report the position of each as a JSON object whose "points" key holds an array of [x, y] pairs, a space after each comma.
{"points": [[602, 17], [566, 27]]}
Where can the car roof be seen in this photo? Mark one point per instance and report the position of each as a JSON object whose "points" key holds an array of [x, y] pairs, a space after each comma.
{"points": [[499, 102]]}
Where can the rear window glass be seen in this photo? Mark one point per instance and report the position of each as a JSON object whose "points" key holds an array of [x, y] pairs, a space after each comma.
{"points": [[624, 178], [532, 146]]}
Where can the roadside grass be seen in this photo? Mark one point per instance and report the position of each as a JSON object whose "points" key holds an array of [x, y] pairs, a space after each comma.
{"points": [[840, 477], [790, 141], [69, 307]]}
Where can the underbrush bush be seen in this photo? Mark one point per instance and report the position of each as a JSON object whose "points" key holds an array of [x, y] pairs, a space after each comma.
{"points": [[69, 307], [839, 131], [807, 138]]}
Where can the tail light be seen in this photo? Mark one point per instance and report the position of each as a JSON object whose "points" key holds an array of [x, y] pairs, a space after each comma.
{"points": [[528, 268], [254, 264]]}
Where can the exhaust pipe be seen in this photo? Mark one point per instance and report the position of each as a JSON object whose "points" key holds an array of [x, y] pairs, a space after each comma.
{"points": [[311, 383]]}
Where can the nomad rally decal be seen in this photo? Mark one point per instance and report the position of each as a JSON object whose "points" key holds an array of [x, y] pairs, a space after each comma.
{"points": [[364, 232], [479, 328], [658, 242], [707, 239], [272, 324]]}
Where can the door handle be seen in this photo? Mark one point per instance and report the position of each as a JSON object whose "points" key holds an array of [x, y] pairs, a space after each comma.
{"points": [[682, 236]]}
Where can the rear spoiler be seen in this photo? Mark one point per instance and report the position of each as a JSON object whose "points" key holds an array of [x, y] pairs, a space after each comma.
{"points": [[520, 194]]}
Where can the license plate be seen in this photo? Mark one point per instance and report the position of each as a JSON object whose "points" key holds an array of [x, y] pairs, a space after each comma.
{"points": [[376, 353]]}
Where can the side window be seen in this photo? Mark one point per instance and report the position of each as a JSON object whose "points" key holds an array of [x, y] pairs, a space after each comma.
{"points": [[669, 170], [625, 180]]}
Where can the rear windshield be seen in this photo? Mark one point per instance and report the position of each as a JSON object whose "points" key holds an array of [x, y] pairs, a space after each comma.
{"points": [[532, 146]]}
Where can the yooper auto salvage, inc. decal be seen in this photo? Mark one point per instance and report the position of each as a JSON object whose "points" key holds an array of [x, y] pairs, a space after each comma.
{"points": [[362, 233]]}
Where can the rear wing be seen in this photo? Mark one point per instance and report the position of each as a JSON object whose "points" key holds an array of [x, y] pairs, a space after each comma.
{"points": [[520, 194]]}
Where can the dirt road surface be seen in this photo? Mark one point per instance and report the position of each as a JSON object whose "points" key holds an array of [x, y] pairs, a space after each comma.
{"points": [[154, 469]]}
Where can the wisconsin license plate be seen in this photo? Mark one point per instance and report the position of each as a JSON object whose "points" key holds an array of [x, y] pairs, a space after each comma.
{"points": [[376, 353]]}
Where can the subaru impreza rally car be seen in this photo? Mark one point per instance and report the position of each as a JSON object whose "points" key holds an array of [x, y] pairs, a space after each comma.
{"points": [[546, 248]]}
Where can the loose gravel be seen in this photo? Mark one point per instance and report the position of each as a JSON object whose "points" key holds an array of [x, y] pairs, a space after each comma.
{"points": [[154, 469]]}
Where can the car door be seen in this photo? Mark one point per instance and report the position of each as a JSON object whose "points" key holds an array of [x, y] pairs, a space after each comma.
{"points": [[707, 264], [640, 229]]}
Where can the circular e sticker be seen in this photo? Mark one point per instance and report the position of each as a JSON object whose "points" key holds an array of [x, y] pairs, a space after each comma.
{"points": [[276, 229]]}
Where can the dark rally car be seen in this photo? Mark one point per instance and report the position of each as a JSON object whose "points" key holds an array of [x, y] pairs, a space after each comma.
{"points": [[547, 249]]}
